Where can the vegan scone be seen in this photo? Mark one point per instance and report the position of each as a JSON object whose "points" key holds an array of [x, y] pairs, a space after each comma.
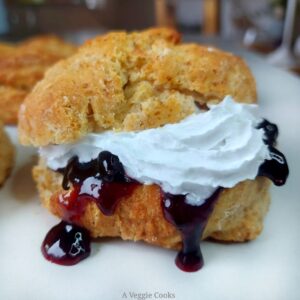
{"points": [[145, 138], [22, 66]]}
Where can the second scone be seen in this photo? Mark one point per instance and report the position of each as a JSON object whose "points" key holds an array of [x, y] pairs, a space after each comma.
{"points": [[22, 66], [6, 155]]}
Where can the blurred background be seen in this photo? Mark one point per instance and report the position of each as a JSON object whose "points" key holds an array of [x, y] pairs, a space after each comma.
{"points": [[268, 27]]}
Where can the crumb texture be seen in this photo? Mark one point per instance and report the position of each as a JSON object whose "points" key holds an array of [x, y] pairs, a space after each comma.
{"points": [[129, 82]]}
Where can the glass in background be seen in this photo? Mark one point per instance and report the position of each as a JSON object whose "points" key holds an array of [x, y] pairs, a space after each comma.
{"points": [[257, 24], [284, 56], [265, 25]]}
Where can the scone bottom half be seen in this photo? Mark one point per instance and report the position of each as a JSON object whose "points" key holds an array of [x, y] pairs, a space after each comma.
{"points": [[113, 204], [149, 80]]}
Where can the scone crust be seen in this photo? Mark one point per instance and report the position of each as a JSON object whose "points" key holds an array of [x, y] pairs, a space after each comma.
{"points": [[6, 155], [129, 82], [237, 216], [22, 66]]}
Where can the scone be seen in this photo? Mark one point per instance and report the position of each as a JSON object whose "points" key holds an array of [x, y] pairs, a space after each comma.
{"points": [[137, 141], [6, 155], [24, 64]]}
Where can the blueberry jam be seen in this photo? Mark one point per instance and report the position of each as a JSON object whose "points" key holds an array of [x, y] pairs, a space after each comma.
{"points": [[66, 244], [190, 221], [271, 132], [102, 180], [276, 168]]}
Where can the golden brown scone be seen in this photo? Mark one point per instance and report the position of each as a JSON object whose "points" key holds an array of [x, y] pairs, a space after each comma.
{"points": [[10, 100], [237, 216], [129, 82], [6, 155], [22, 66]]}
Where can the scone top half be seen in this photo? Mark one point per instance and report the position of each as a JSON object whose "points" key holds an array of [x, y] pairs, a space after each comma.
{"points": [[129, 82]]}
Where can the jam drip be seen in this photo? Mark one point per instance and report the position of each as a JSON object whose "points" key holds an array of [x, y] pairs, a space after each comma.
{"points": [[102, 180], [271, 132], [190, 221], [66, 244], [276, 168]]}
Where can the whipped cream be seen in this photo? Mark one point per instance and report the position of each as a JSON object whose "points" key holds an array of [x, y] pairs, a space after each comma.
{"points": [[219, 147]]}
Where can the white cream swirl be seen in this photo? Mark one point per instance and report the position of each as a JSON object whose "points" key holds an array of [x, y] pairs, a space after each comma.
{"points": [[219, 147]]}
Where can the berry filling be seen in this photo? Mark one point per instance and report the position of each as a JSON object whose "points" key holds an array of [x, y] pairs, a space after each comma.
{"points": [[271, 132], [276, 168], [102, 180], [190, 221], [66, 244]]}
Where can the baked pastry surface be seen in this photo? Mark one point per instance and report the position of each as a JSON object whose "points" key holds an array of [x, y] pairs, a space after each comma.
{"points": [[6, 155], [24, 64], [132, 82]]}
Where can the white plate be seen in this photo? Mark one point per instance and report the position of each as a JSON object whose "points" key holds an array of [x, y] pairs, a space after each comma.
{"points": [[267, 268]]}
